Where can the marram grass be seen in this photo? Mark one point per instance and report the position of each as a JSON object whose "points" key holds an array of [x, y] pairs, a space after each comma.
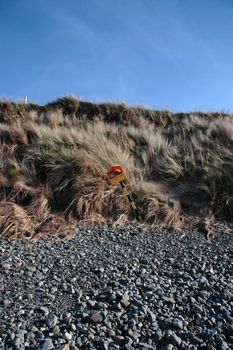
{"points": [[54, 159]]}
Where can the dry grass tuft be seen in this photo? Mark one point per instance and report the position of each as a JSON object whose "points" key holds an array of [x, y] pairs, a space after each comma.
{"points": [[55, 225], [68, 105], [14, 222]]}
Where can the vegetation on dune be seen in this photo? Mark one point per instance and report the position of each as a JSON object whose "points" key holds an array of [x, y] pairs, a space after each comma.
{"points": [[54, 160]]}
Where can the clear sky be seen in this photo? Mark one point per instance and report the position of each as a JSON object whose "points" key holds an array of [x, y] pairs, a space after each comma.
{"points": [[175, 54]]}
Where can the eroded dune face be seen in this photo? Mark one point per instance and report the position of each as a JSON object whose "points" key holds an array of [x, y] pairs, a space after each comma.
{"points": [[54, 160]]}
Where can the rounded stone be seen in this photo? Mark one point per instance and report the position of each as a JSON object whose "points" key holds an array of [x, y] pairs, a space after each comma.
{"points": [[96, 317]]}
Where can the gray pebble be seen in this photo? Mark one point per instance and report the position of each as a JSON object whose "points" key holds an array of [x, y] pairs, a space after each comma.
{"points": [[175, 340], [96, 317], [52, 320], [47, 345]]}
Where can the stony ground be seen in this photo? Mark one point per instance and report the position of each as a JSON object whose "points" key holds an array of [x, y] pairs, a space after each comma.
{"points": [[132, 288]]}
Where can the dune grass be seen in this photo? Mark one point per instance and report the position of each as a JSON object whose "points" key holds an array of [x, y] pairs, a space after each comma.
{"points": [[54, 159]]}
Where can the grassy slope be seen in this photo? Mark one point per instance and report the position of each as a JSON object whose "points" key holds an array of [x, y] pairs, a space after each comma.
{"points": [[54, 160]]}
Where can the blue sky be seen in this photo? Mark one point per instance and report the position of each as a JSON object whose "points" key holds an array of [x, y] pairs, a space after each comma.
{"points": [[175, 54]]}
